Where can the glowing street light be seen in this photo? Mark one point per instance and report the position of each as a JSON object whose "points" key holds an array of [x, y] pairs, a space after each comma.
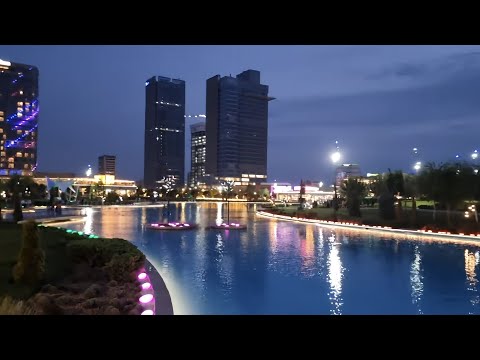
{"points": [[335, 157], [475, 155], [89, 171], [417, 166]]}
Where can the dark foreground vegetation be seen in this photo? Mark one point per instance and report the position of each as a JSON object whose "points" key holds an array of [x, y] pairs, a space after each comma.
{"points": [[50, 271]]}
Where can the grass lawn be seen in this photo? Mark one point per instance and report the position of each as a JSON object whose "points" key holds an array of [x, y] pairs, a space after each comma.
{"points": [[56, 260]]}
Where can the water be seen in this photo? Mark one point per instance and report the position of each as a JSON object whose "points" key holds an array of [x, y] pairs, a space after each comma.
{"points": [[279, 267]]}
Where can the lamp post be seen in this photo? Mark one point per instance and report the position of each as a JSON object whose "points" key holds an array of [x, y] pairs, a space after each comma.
{"points": [[335, 157]]}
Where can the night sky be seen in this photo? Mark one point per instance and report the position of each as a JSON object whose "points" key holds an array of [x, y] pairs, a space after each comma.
{"points": [[378, 101]]}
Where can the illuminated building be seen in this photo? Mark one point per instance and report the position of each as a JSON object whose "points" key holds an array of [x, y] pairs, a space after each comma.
{"points": [[164, 154], [198, 143], [19, 113], [346, 171], [106, 165], [237, 128]]}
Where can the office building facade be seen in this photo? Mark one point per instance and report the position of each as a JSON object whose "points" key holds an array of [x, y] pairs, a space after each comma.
{"points": [[198, 152], [19, 114], [237, 128], [164, 155], [106, 165], [346, 171]]}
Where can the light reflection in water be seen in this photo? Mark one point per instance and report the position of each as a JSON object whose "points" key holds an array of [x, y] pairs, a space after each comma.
{"points": [[183, 217], [335, 275], [471, 262], [219, 219], [88, 226], [416, 279]]}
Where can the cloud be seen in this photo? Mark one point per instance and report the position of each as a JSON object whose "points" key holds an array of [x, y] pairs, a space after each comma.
{"points": [[440, 103]]}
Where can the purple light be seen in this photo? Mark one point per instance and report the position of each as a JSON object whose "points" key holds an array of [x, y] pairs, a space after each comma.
{"points": [[146, 298], [146, 286], [142, 276], [147, 312], [186, 225]]}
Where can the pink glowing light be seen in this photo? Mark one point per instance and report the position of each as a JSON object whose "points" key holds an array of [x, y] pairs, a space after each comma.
{"points": [[186, 225], [142, 276], [146, 286], [147, 312], [146, 298]]}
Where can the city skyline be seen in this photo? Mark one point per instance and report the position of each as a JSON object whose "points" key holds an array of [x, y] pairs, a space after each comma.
{"points": [[370, 98]]}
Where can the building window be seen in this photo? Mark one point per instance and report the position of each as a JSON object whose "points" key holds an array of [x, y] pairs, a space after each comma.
{"points": [[10, 166], [20, 103], [10, 160], [21, 92], [19, 154], [2, 153], [19, 132], [1, 113], [1, 118], [1, 131], [4, 136], [25, 166]]}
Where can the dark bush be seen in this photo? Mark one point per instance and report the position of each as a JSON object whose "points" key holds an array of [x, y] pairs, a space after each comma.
{"points": [[386, 206], [425, 207], [99, 252], [121, 266], [30, 267]]}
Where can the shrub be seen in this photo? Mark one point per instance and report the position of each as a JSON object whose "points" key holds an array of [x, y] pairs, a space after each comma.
{"points": [[8, 306], [30, 267], [121, 266], [99, 252]]}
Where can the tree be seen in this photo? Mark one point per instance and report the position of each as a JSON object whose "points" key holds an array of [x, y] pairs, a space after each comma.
{"points": [[411, 190], [250, 190], [354, 191], [301, 199], [16, 187], [449, 184], [3, 188], [112, 197]]}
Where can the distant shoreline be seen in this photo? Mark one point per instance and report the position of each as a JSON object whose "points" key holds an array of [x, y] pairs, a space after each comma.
{"points": [[416, 234]]}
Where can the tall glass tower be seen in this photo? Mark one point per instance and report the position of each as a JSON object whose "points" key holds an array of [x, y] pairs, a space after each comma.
{"points": [[237, 128], [164, 131]]}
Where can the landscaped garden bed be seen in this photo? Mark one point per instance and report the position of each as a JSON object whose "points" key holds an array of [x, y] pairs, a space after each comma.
{"points": [[46, 270]]}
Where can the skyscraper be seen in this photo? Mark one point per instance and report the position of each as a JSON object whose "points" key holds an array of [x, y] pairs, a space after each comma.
{"points": [[237, 127], [106, 165], [198, 142], [164, 130], [19, 112]]}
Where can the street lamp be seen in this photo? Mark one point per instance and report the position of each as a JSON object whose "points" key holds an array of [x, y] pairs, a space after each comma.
{"points": [[335, 157], [89, 171], [417, 166], [474, 155]]}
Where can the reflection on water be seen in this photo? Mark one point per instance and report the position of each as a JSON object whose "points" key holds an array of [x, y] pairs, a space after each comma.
{"points": [[88, 227], [219, 219], [277, 267], [416, 277], [471, 262], [335, 273]]}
